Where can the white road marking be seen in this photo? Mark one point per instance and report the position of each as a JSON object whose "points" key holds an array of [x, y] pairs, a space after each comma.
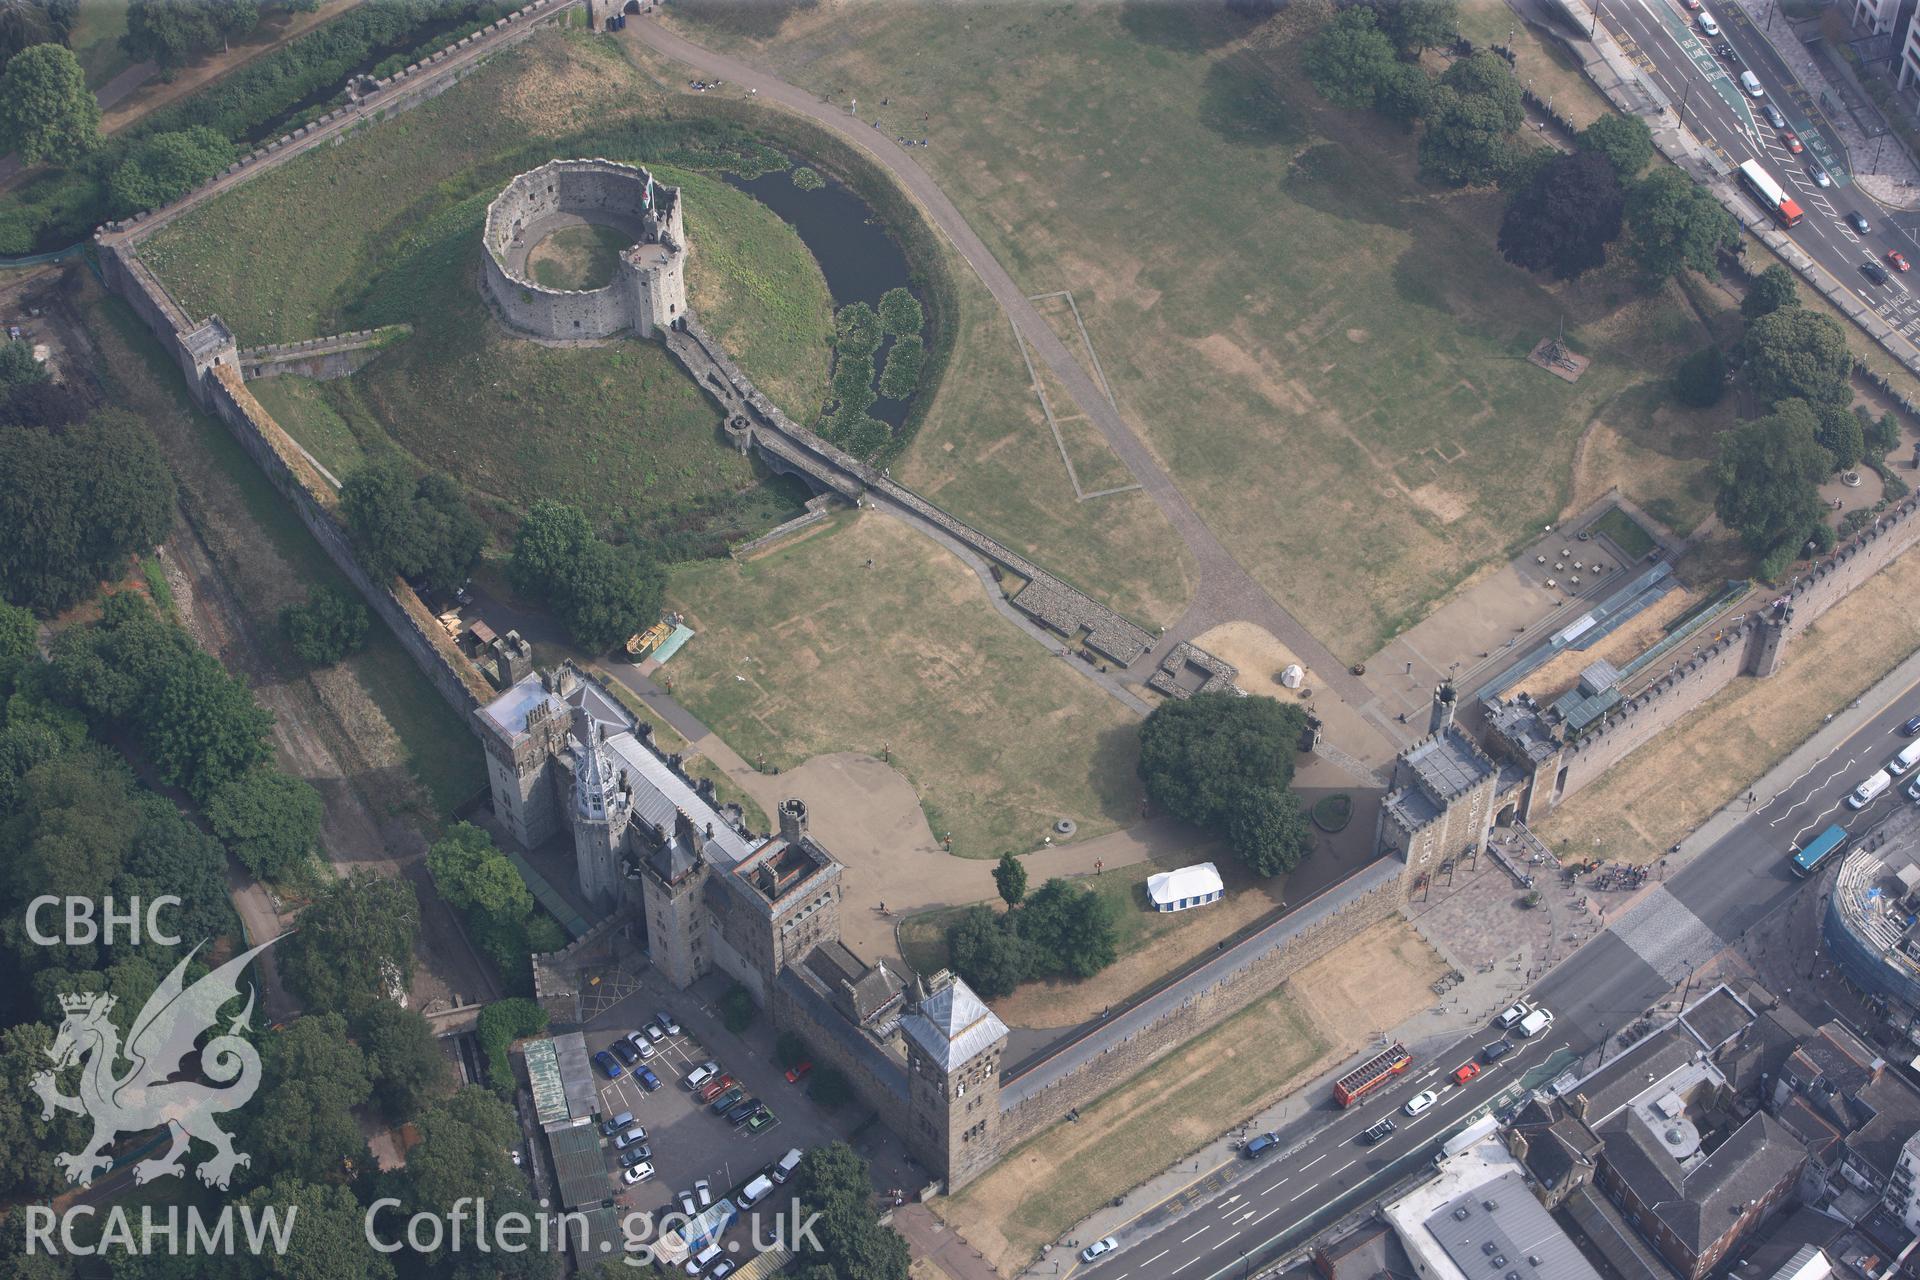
{"points": [[1156, 1257], [1183, 1266], [1202, 1231], [1268, 1214], [1316, 1160], [1343, 1168], [1275, 1187]]}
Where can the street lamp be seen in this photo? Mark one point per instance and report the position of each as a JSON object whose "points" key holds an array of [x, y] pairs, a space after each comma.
{"points": [[1598, 5]]}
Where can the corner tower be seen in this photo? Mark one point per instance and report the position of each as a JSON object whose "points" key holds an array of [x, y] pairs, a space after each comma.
{"points": [[954, 1045]]}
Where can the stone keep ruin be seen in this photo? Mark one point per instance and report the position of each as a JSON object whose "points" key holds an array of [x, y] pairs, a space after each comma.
{"points": [[648, 292]]}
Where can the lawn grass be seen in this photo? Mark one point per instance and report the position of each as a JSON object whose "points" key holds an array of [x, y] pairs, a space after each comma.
{"points": [[579, 257], [300, 405], [236, 500], [1625, 533], [95, 40], [806, 650], [1328, 356], [385, 228], [923, 937]]}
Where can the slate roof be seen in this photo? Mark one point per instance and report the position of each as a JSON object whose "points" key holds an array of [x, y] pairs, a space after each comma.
{"points": [[1717, 1017], [953, 1026], [1700, 1203], [1896, 1117], [1557, 1143], [1498, 1228], [1448, 764], [1625, 1078]]}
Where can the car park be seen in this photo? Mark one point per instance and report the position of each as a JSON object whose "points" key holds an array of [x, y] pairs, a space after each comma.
{"points": [[617, 1124], [1875, 274], [1898, 260], [1821, 178], [648, 1080], [797, 1071], [1491, 1053], [763, 1120], [1377, 1132], [638, 1173], [700, 1075], [727, 1101], [687, 1205], [714, 1088], [1791, 140], [1858, 221], [1102, 1246], [625, 1052], [635, 1154], [1466, 1072], [1775, 116], [1421, 1101], [665, 1022], [605, 1062], [703, 1192]]}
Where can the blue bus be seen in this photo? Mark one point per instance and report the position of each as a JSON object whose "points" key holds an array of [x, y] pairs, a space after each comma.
{"points": [[1822, 846]]}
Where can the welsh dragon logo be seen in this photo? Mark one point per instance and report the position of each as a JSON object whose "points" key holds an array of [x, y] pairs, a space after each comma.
{"points": [[144, 1097]]}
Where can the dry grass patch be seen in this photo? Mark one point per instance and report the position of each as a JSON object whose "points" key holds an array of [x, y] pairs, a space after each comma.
{"points": [[1274, 1046], [1671, 785]]}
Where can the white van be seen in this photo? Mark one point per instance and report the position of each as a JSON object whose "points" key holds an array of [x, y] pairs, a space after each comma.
{"points": [[783, 1167], [755, 1191], [1707, 24], [1905, 760], [1751, 83], [1870, 790], [1536, 1022]]}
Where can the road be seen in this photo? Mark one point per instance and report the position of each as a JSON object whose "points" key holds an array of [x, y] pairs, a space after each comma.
{"points": [[1667, 43], [1650, 949]]}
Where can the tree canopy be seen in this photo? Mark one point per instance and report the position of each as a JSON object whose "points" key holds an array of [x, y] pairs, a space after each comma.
{"points": [[164, 166], [471, 873], [171, 32], [1564, 220], [327, 627], [852, 1244], [987, 953], [1674, 224], [355, 938], [1841, 435], [267, 819], [1415, 26], [900, 313], [403, 1058], [1010, 878], [312, 1077], [600, 592], [1624, 140], [1349, 58], [1798, 354], [1769, 473], [47, 113], [549, 540], [1772, 290], [1701, 379], [419, 528], [1468, 141], [1069, 928], [1224, 762]]}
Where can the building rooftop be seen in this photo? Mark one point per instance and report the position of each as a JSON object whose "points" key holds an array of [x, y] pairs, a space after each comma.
{"points": [[953, 1026], [777, 868], [1699, 1201], [1717, 1017], [1634, 1072], [580, 1164], [1499, 1229], [660, 795], [1448, 765]]}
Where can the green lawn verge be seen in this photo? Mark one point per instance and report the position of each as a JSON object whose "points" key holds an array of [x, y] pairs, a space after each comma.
{"points": [[1626, 533]]}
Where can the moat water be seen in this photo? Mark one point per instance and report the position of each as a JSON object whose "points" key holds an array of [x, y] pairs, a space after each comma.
{"points": [[849, 241]]}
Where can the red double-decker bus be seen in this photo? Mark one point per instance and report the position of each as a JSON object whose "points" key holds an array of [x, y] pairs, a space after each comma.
{"points": [[1371, 1074]]}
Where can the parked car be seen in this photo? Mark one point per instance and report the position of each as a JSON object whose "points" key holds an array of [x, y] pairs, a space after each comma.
{"points": [[721, 1269], [665, 1022], [648, 1080], [763, 1120], [1536, 1022], [1421, 1101], [1821, 178], [652, 1032], [727, 1101], [624, 1051], [700, 1075], [641, 1045], [687, 1206], [1466, 1073], [1263, 1145], [797, 1071], [1377, 1132], [1775, 117], [605, 1062], [1898, 260], [1858, 221], [1099, 1247], [1499, 1049], [715, 1087], [1913, 791], [634, 1155], [638, 1173], [743, 1111], [782, 1169], [616, 1124], [1791, 141], [703, 1191]]}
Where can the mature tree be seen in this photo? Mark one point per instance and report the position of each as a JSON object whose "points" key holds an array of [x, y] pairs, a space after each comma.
{"points": [[900, 313], [1010, 878], [1349, 58], [1467, 140], [403, 1057], [329, 1239], [547, 546], [108, 670], [1798, 354], [74, 503], [355, 940], [1840, 434], [1415, 26], [25, 23], [464, 1140], [857, 330], [74, 824], [171, 32], [328, 626], [18, 368], [18, 636], [1269, 830], [1405, 93], [47, 113], [1882, 435], [418, 528], [312, 1077], [1624, 140], [835, 1183], [1772, 290], [471, 873], [853, 381], [1769, 475], [165, 166], [610, 593], [902, 372], [172, 856], [1199, 754], [1563, 222], [1486, 75], [1674, 224], [29, 1142], [268, 819], [201, 727], [1701, 379], [989, 955], [1070, 927]]}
